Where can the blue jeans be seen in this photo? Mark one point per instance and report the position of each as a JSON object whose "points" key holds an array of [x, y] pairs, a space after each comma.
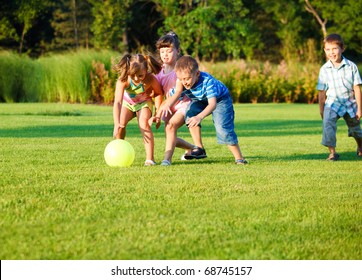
{"points": [[222, 117], [330, 119]]}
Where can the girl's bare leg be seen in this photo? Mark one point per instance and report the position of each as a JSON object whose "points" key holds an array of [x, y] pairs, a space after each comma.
{"points": [[143, 116], [126, 116], [172, 141]]}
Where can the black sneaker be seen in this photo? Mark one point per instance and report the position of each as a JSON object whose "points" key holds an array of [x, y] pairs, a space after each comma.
{"points": [[196, 153]]}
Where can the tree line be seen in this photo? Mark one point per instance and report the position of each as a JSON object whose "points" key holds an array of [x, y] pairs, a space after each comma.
{"points": [[210, 30]]}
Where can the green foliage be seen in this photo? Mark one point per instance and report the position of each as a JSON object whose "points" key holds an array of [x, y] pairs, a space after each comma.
{"points": [[64, 78], [343, 17], [108, 27], [66, 24], [59, 200], [212, 30], [7, 31], [102, 84], [253, 82], [86, 76], [18, 78]]}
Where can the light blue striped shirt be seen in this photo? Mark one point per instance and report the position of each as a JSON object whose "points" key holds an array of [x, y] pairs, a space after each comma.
{"points": [[338, 84], [205, 88]]}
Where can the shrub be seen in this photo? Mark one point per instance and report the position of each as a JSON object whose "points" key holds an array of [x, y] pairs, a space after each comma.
{"points": [[102, 85], [86, 76], [253, 82], [61, 77]]}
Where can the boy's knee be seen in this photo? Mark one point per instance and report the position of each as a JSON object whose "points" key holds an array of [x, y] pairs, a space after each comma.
{"points": [[355, 132]]}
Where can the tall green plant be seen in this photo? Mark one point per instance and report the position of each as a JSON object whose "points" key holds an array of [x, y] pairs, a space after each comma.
{"points": [[67, 77], [10, 66]]}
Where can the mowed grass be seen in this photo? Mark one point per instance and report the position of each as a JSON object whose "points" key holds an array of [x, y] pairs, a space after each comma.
{"points": [[59, 200]]}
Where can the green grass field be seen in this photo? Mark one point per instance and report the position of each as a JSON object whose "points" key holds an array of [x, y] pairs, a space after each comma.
{"points": [[59, 200]]}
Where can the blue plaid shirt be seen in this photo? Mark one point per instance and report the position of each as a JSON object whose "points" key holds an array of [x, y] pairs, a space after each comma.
{"points": [[338, 84]]}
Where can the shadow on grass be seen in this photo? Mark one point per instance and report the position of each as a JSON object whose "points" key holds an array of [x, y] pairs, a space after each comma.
{"points": [[266, 128], [250, 129], [344, 156], [58, 131]]}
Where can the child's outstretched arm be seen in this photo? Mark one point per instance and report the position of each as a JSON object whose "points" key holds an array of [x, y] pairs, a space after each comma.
{"points": [[117, 107], [196, 120], [358, 96], [177, 91], [322, 100], [158, 97]]}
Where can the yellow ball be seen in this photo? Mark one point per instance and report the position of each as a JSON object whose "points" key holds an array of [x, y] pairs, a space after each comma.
{"points": [[119, 153]]}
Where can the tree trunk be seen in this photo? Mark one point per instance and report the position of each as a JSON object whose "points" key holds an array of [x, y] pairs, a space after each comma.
{"points": [[321, 22], [22, 41], [74, 8]]}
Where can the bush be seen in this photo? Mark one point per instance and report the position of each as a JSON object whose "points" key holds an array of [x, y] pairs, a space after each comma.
{"points": [[57, 78], [255, 82], [102, 84], [86, 76]]}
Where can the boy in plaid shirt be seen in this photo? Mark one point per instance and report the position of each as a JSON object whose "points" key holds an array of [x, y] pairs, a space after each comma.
{"points": [[339, 95]]}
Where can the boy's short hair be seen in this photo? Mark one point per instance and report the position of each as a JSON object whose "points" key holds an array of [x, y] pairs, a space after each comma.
{"points": [[334, 39], [188, 63]]}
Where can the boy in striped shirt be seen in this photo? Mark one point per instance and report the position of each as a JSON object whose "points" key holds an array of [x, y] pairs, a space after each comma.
{"points": [[209, 96]]}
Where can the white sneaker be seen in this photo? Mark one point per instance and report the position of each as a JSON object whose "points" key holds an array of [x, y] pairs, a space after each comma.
{"points": [[149, 162]]}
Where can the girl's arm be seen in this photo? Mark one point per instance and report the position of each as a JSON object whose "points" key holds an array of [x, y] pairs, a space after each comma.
{"points": [[196, 120], [322, 100], [157, 93], [172, 99], [117, 106], [358, 96]]}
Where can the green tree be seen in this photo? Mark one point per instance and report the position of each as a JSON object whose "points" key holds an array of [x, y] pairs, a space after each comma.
{"points": [[288, 18], [17, 18], [110, 23], [341, 17], [212, 29], [7, 30], [71, 24]]}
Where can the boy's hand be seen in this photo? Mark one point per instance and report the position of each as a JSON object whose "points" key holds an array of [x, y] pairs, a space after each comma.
{"points": [[194, 121], [358, 114]]}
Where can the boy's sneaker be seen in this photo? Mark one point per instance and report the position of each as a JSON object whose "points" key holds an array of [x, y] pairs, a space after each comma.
{"points": [[196, 153], [183, 156]]}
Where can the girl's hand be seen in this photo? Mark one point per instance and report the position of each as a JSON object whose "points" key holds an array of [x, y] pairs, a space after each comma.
{"points": [[156, 120], [117, 132], [165, 110]]}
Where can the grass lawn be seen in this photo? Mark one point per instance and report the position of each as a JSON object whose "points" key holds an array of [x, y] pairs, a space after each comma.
{"points": [[59, 200]]}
